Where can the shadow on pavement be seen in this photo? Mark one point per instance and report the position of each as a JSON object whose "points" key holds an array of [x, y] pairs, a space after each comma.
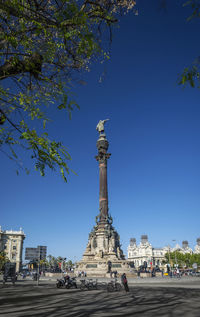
{"points": [[48, 301]]}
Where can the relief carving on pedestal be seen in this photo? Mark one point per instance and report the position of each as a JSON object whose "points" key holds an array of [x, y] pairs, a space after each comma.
{"points": [[94, 243], [88, 246]]}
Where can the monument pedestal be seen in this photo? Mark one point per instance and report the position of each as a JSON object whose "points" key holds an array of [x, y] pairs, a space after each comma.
{"points": [[103, 253], [99, 268]]}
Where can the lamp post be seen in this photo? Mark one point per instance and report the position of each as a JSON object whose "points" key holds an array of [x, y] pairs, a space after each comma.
{"points": [[169, 255], [38, 273], [62, 265], [175, 253], [74, 262]]}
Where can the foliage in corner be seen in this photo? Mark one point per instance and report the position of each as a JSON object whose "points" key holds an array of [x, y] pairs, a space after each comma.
{"points": [[191, 75], [44, 44], [3, 260], [183, 260]]}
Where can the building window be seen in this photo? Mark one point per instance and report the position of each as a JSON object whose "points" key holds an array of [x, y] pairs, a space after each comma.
{"points": [[5, 247], [13, 256], [14, 247]]}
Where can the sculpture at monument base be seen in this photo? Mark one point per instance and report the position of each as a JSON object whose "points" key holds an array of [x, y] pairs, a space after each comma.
{"points": [[103, 253], [104, 240]]}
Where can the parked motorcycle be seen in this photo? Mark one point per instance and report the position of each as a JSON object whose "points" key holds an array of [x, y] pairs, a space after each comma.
{"points": [[71, 282], [66, 282], [60, 283]]}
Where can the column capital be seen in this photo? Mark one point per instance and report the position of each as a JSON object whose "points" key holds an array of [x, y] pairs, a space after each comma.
{"points": [[102, 157]]}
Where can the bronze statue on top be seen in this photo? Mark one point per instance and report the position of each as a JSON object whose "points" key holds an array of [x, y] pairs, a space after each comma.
{"points": [[100, 126]]}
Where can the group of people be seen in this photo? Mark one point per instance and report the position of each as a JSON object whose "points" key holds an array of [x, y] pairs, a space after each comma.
{"points": [[82, 274], [175, 273]]}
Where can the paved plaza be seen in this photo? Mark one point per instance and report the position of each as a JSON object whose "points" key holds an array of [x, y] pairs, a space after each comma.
{"points": [[146, 298]]}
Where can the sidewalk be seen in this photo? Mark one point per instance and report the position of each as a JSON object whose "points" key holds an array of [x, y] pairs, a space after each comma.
{"points": [[185, 280]]}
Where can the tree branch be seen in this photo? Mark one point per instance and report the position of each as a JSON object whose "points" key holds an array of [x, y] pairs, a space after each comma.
{"points": [[5, 116], [13, 66]]}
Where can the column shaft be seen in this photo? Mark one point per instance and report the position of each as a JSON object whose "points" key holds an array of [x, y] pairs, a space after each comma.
{"points": [[103, 191]]}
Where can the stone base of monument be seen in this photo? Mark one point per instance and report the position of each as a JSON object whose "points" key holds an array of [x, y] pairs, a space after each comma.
{"points": [[99, 268], [159, 274], [145, 274]]}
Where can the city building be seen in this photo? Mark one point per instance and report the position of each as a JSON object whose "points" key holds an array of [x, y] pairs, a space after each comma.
{"points": [[11, 242], [144, 252], [184, 249], [33, 254]]}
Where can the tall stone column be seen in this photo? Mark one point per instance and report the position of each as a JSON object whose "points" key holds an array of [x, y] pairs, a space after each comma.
{"points": [[102, 146]]}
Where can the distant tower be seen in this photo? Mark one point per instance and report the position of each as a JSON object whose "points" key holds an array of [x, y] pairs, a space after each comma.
{"points": [[144, 238], [197, 247], [185, 244], [132, 242]]}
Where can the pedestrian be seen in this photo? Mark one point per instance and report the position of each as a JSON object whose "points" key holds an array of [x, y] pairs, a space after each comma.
{"points": [[125, 282], [66, 278]]}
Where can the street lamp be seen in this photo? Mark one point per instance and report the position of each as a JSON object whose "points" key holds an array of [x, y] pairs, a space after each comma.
{"points": [[62, 265], [175, 253], [169, 254], [39, 258]]}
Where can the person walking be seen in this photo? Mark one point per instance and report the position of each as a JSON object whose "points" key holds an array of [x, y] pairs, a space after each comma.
{"points": [[178, 272], [125, 282]]}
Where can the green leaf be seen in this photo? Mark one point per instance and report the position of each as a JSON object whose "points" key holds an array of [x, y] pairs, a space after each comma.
{"points": [[61, 106]]}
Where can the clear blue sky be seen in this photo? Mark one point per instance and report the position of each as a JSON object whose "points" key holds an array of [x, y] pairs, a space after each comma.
{"points": [[154, 133]]}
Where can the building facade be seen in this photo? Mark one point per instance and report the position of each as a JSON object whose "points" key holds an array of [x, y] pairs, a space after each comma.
{"points": [[184, 249], [38, 253], [11, 242], [144, 252]]}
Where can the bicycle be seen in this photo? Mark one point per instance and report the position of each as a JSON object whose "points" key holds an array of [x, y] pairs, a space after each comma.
{"points": [[92, 284], [114, 286], [101, 285], [88, 284]]}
